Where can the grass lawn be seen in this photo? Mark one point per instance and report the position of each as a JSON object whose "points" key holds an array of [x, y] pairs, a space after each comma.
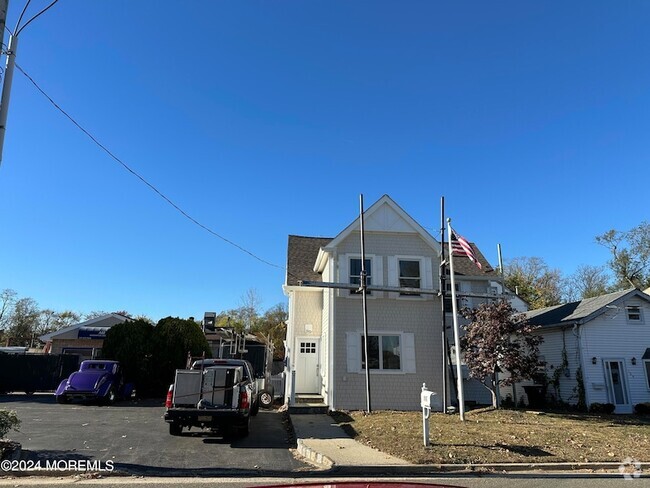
{"points": [[503, 436]]}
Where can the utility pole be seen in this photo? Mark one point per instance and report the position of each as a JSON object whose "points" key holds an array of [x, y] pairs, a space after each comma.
{"points": [[8, 74], [12, 47]]}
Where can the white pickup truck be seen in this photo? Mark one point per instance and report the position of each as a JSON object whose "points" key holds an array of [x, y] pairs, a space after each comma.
{"points": [[219, 394]]}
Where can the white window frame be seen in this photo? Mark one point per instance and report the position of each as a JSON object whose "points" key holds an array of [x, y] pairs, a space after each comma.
{"points": [[377, 270], [354, 344], [426, 276], [637, 308], [368, 276]]}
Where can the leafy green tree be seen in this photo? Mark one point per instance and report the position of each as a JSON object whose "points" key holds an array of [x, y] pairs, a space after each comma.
{"points": [[498, 337], [273, 325], [630, 255], [131, 344], [172, 339], [533, 280]]}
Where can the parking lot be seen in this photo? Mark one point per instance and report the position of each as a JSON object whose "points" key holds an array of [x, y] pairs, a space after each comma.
{"points": [[136, 439]]}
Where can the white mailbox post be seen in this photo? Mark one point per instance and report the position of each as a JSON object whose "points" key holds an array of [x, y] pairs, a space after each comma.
{"points": [[426, 398]]}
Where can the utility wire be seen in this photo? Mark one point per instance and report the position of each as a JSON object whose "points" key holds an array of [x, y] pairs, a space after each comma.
{"points": [[143, 180], [17, 30]]}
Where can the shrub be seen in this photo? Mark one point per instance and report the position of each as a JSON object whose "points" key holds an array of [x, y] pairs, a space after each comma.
{"points": [[172, 339], [130, 343], [8, 421], [606, 408], [507, 402], [642, 408]]}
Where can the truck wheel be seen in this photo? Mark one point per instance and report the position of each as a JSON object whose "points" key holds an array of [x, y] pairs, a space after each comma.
{"points": [[175, 428], [266, 399]]}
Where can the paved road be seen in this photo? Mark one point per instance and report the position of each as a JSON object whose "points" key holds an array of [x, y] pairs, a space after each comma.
{"points": [[518, 481], [136, 439]]}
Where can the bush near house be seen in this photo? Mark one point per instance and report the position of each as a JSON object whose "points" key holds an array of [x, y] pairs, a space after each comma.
{"points": [[149, 354], [606, 408], [642, 408]]}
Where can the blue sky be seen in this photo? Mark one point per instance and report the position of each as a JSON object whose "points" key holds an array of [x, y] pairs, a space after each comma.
{"points": [[268, 118]]}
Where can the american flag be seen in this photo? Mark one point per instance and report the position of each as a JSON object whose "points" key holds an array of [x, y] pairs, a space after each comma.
{"points": [[461, 247]]}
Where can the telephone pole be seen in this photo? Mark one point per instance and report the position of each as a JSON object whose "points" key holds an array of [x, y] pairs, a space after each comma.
{"points": [[8, 74]]}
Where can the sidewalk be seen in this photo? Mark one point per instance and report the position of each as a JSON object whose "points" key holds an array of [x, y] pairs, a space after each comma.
{"points": [[322, 441]]}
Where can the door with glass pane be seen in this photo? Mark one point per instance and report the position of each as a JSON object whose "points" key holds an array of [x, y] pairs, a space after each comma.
{"points": [[307, 366], [617, 385]]}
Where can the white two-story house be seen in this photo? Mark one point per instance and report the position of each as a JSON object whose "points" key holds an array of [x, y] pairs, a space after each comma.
{"points": [[324, 343]]}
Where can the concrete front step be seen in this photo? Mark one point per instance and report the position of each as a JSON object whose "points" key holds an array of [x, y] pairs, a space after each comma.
{"points": [[308, 408], [309, 398]]}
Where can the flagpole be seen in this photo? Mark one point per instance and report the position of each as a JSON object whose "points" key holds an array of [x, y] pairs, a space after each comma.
{"points": [[442, 305], [364, 300], [454, 307]]}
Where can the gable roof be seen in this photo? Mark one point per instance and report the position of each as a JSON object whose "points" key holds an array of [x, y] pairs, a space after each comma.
{"points": [[301, 255], [580, 311], [401, 221], [110, 319]]}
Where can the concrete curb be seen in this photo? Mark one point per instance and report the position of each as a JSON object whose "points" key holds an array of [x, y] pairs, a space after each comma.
{"points": [[314, 456], [322, 460]]}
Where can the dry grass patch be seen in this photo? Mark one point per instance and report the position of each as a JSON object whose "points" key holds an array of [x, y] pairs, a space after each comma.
{"points": [[503, 436]]}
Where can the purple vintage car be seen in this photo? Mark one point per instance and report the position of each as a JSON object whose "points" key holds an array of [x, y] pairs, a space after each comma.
{"points": [[96, 380]]}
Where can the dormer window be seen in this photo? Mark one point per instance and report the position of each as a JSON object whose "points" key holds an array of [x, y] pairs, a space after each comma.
{"points": [[355, 273]]}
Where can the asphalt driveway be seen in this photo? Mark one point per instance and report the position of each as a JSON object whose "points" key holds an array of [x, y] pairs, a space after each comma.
{"points": [[136, 439]]}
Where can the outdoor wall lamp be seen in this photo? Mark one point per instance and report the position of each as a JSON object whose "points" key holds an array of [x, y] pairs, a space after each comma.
{"points": [[593, 360], [633, 361]]}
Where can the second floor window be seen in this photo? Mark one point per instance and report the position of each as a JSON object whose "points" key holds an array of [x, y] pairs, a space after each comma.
{"points": [[355, 273], [409, 275], [633, 313]]}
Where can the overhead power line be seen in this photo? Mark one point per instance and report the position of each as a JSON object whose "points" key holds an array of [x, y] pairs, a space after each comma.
{"points": [[142, 179]]}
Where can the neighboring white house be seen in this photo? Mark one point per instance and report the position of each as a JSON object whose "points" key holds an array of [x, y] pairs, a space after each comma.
{"points": [[84, 339], [606, 339], [325, 325]]}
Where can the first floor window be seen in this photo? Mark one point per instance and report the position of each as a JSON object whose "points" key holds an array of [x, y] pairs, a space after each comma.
{"points": [[384, 352], [646, 363]]}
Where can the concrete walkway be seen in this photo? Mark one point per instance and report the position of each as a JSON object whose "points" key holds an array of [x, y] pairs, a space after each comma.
{"points": [[323, 442]]}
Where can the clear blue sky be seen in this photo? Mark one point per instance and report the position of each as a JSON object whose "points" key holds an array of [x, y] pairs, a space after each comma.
{"points": [[268, 118]]}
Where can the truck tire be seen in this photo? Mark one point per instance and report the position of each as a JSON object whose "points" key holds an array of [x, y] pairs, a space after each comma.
{"points": [[175, 428], [266, 399]]}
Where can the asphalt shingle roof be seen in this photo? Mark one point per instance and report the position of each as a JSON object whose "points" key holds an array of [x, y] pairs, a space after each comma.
{"points": [[301, 256], [574, 311]]}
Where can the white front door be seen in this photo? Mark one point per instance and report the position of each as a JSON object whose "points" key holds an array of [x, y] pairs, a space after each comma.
{"points": [[307, 365], [617, 385]]}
